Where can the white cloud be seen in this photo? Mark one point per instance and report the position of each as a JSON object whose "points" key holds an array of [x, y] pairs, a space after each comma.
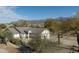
{"points": [[8, 14]]}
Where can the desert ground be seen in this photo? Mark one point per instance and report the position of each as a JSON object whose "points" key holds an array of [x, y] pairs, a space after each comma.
{"points": [[68, 44]]}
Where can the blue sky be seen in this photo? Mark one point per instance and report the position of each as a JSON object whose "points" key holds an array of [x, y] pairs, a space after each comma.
{"points": [[46, 12], [8, 14]]}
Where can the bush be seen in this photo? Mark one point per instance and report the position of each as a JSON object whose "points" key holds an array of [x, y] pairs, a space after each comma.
{"points": [[41, 45], [16, 41]]}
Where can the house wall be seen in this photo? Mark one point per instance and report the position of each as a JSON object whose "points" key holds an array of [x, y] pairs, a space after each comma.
{"points": [[45, 34], [23, 36], [16, 36]]}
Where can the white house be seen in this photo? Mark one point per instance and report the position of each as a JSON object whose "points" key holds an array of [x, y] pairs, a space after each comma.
{"points": [[14, 33], [45, 34], [28, 32]]}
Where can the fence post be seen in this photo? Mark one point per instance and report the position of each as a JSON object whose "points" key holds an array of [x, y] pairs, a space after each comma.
{"points": [[59, 38], [78, 40]]}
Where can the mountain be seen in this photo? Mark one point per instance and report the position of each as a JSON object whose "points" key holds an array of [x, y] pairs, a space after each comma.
{"points": [[32, 23]]}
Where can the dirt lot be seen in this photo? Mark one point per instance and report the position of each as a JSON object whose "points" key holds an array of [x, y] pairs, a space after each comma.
{"points": [[67, 40], [8, 48], [68, 44]]}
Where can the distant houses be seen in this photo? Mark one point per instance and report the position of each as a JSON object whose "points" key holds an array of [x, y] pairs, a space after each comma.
{"points": [[29, 32]]}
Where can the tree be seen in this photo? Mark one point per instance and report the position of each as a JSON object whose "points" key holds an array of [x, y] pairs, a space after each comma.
{"points": [[41, 45], [53, 25], [2, 26], [66, 25]]}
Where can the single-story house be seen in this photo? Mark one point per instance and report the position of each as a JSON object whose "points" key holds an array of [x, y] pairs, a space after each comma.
{"points": [[29, 32]]}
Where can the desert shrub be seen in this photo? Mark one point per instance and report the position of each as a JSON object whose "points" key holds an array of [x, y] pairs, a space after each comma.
{"points": [[2, 35], [16, 41], [41, 45]]}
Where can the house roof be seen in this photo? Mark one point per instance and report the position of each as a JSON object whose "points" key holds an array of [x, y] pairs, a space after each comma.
{"points": [[13, 31], [24, 30]]}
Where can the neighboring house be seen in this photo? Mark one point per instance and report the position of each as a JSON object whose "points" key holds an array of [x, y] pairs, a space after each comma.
{"points": [[45, 34], [14, 33], [28, 32]]}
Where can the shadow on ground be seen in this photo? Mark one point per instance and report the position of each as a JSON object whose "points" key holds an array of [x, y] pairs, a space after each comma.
{"points": [[25, 49]]}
